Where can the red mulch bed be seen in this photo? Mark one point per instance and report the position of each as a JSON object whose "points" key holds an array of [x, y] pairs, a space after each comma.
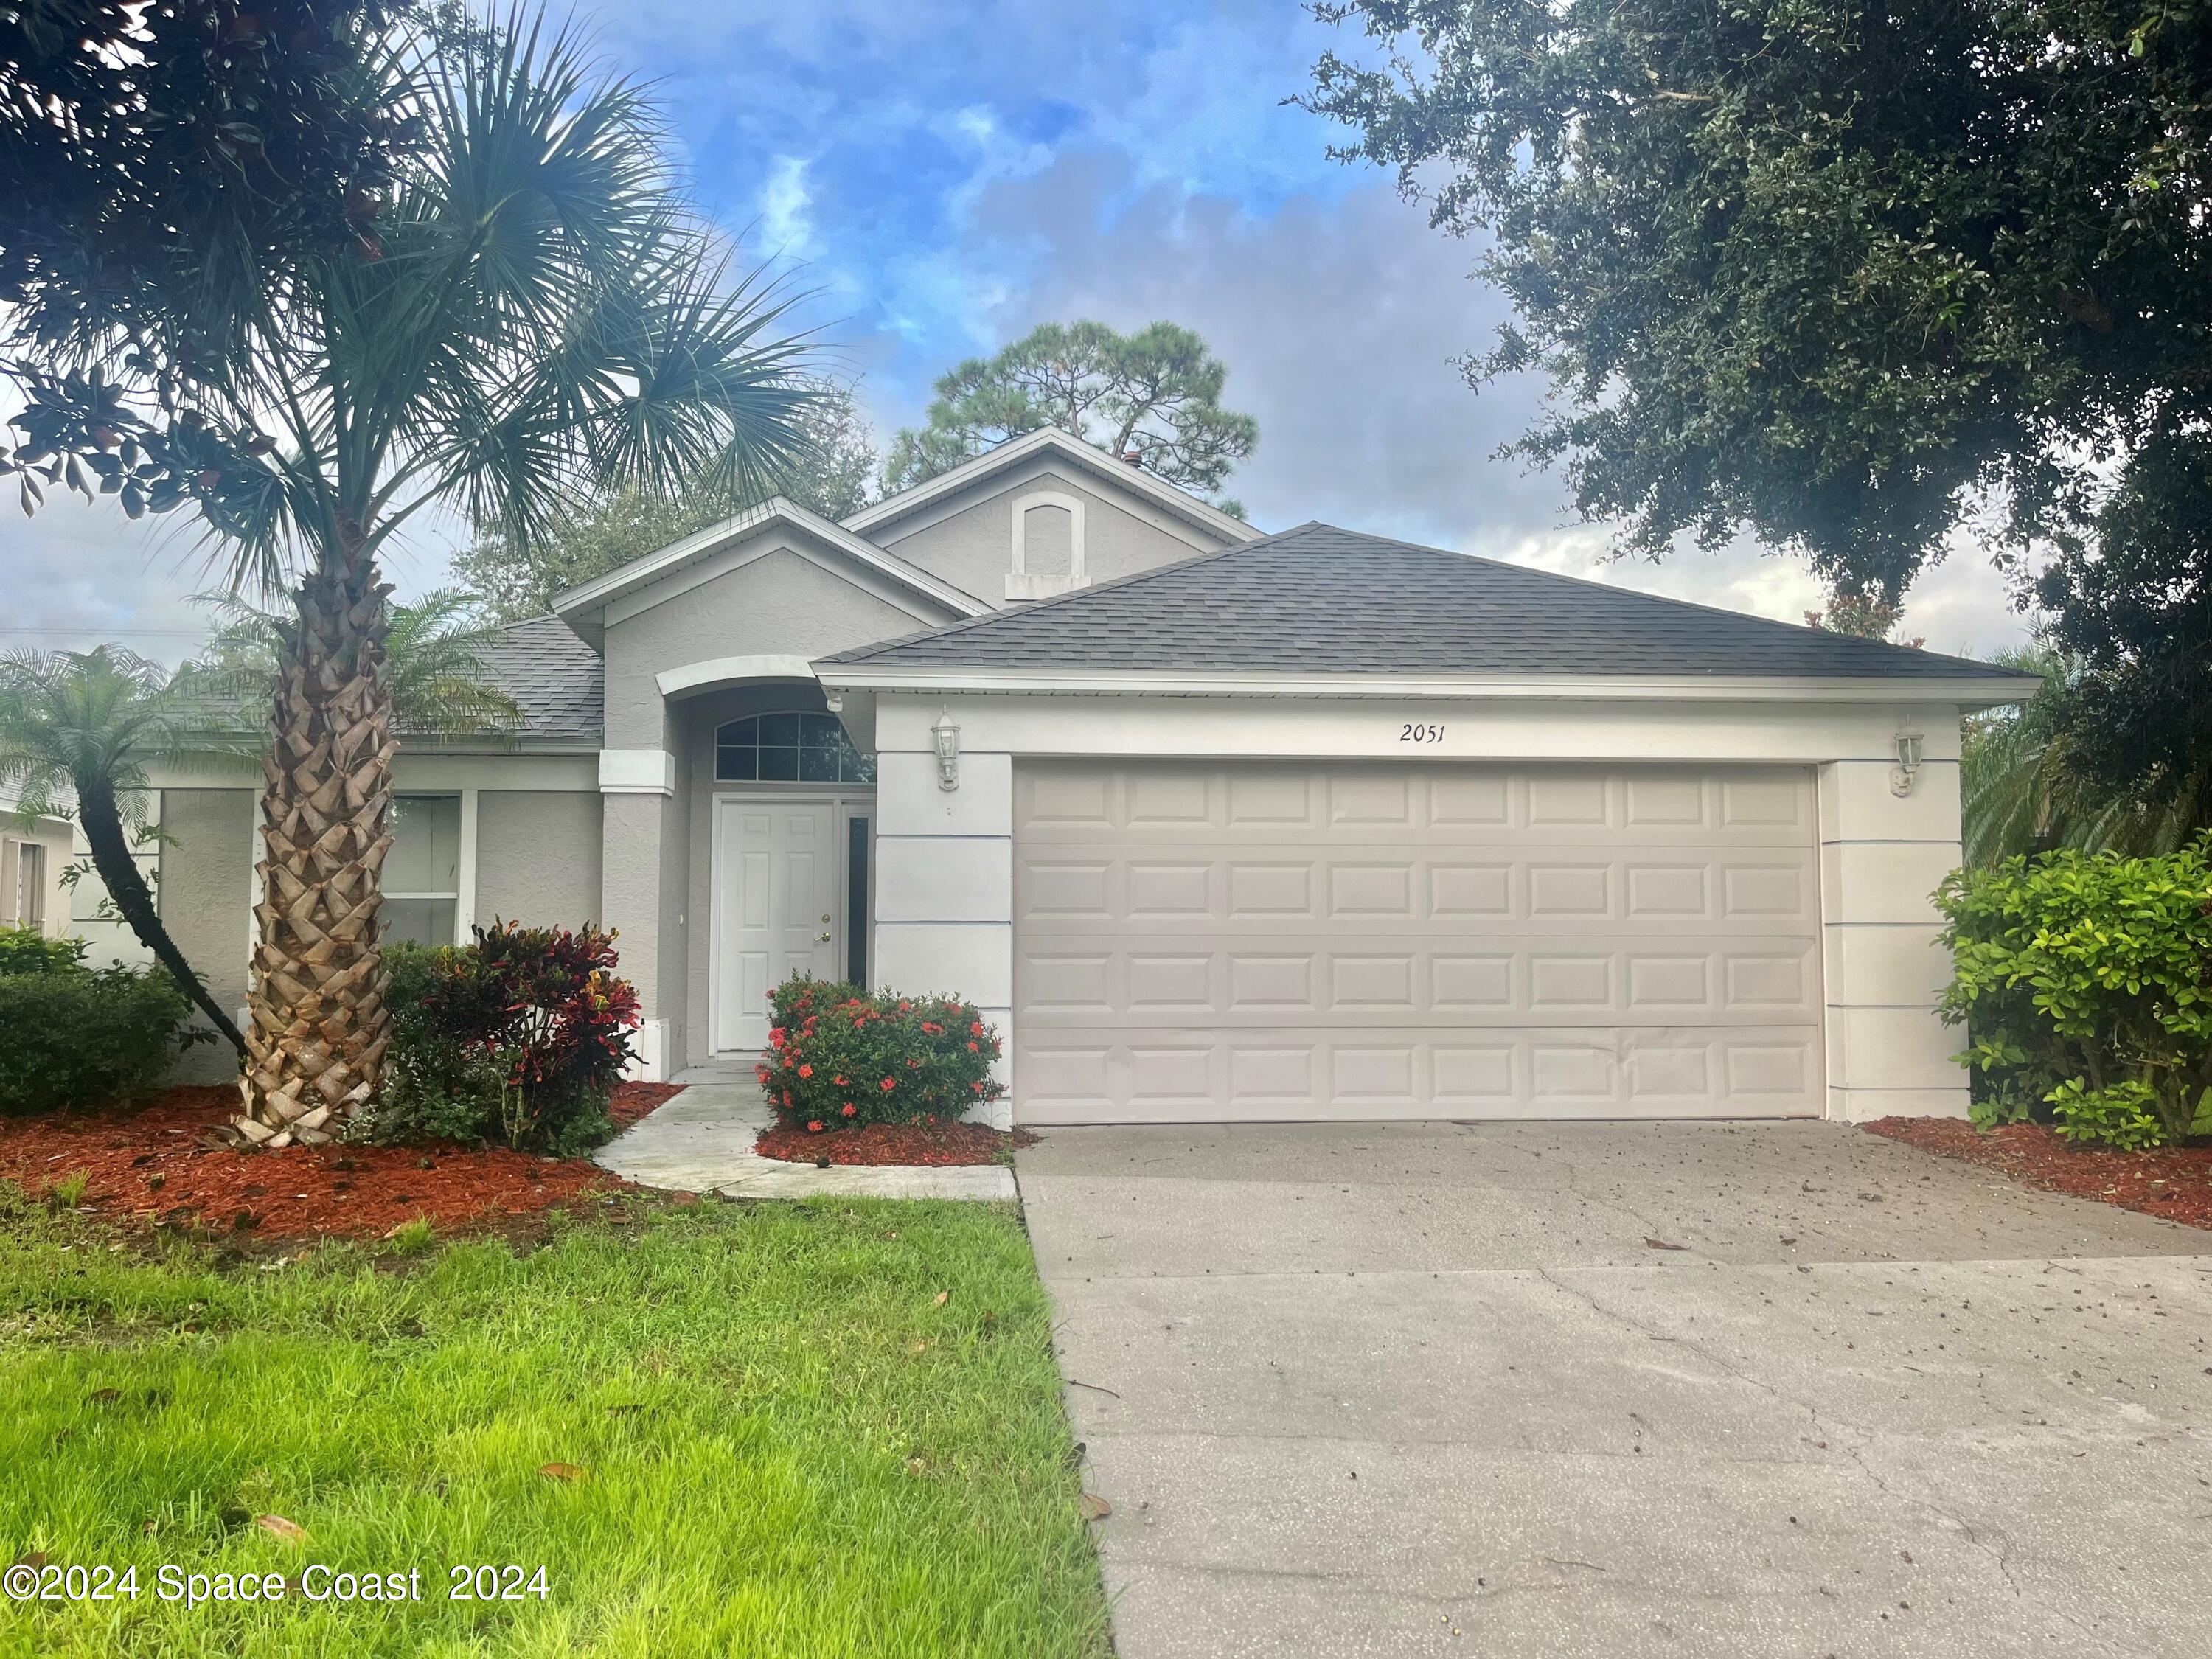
{"points": [[2173, 1182], [163, 1164], [893, 1142]]}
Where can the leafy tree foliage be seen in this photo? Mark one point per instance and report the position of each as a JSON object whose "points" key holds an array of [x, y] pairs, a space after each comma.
{"points": [[1862, 617], [1842, 274], [518, 581], [1155, 394], [524, 315], [146, 145], [2135, 606], [433, 662], [1819, 268]]}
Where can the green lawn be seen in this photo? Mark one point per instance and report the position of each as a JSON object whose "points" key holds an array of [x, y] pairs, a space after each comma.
{"points": [[786, 1443]]}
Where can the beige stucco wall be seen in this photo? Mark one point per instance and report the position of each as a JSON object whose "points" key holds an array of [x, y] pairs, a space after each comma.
{"points": [[537, 857], [779, 603], [206, 871], [973, 547]]}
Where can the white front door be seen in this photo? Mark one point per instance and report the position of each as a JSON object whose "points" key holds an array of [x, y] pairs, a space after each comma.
{"points": [[778, 909]]}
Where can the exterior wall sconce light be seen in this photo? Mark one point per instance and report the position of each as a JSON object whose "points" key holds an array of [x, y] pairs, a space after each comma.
{"points": [[945, 733], [1908, 761]]}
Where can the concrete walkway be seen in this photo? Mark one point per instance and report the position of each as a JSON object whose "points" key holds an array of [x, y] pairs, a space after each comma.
{"points": [[1697, 1390], [702, 1141]]}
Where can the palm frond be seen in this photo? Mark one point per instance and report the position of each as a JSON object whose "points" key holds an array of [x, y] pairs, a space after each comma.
{"points": [[434, 669], [2021, 788]]}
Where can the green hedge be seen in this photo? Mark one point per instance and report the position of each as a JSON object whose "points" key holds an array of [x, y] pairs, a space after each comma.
{"points": [[839, 1057], [75, 1038], [28, 951], [2085, 984]]}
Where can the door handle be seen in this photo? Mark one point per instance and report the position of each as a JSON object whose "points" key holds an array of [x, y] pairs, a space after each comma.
{"points": [[823, 938]]}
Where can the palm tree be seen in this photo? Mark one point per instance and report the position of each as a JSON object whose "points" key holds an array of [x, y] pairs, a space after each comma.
{"points": [[77, 731], [2021, 792], [433, 666], [525, 314]]}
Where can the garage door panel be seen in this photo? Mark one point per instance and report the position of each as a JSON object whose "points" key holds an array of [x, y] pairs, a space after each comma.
{"points": [[1389, 978], [1203, 889], [1727, 805], [1148, 1075], [1268, 833], [1201, 940]]}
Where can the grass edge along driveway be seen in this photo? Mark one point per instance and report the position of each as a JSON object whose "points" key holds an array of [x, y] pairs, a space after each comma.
{"points": [[816, 1430]]}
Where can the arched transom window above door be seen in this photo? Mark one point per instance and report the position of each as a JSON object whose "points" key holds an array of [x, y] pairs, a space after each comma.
{"points": [[789, 745]]}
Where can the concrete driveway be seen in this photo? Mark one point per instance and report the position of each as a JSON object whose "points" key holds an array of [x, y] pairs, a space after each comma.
{"points": [[1706, 1390]]}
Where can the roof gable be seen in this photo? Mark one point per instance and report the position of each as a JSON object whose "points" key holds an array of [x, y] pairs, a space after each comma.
{"points": [[1050, 441], [1322, 601], [579, 604]]}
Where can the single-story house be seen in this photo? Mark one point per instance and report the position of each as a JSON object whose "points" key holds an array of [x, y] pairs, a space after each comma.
{"points": [[1215, 824]]}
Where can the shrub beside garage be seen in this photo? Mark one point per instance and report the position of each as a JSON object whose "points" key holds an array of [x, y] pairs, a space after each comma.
{"points": [[2084, 981], [839, 1057]]}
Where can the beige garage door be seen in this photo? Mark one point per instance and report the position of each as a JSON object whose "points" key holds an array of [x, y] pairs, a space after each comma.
{"points": [[1207, 941]]}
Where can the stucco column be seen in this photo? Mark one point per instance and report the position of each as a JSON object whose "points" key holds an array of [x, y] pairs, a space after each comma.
{"points": [[944, 873], [1881, 857], [637, 788]]}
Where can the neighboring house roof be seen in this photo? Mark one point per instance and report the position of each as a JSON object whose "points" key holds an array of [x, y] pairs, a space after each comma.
{"points": [[642, 572], [1051, 441], [1318, 601], [558, 682]]}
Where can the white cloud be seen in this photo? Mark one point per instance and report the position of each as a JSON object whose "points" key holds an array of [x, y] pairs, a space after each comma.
{"points": [[786, 227]]}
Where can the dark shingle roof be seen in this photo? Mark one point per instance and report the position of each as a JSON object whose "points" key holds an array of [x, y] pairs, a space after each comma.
{"points": [[557, 680], [1318, 599]]}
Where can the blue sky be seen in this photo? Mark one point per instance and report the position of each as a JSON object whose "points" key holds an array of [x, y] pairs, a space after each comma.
{"points": [[942, 178]]}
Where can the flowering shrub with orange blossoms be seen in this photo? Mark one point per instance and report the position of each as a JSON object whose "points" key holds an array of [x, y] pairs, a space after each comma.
{"points": [[839, 1057]]}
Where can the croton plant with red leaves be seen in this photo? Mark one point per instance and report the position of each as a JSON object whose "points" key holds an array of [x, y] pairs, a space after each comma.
{"points": [[545, 1004], [838, 1058]]}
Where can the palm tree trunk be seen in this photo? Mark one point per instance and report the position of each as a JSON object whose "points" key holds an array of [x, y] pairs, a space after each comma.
{"points": [[319, 1026], [111, 856]]}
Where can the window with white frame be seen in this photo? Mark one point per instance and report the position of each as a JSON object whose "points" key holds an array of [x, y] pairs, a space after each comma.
{"points": [[23, 867], [422, 871], [791, 745]]}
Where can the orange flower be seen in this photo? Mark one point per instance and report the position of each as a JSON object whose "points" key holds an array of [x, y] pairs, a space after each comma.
{"points": [[814, 1127], [889, 1085], [975, 1030], [850, 1109], [807, 1071], [974, 1049]]}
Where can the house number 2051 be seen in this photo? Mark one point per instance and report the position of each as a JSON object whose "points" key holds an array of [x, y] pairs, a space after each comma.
{"points": [[1413, 731]]}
